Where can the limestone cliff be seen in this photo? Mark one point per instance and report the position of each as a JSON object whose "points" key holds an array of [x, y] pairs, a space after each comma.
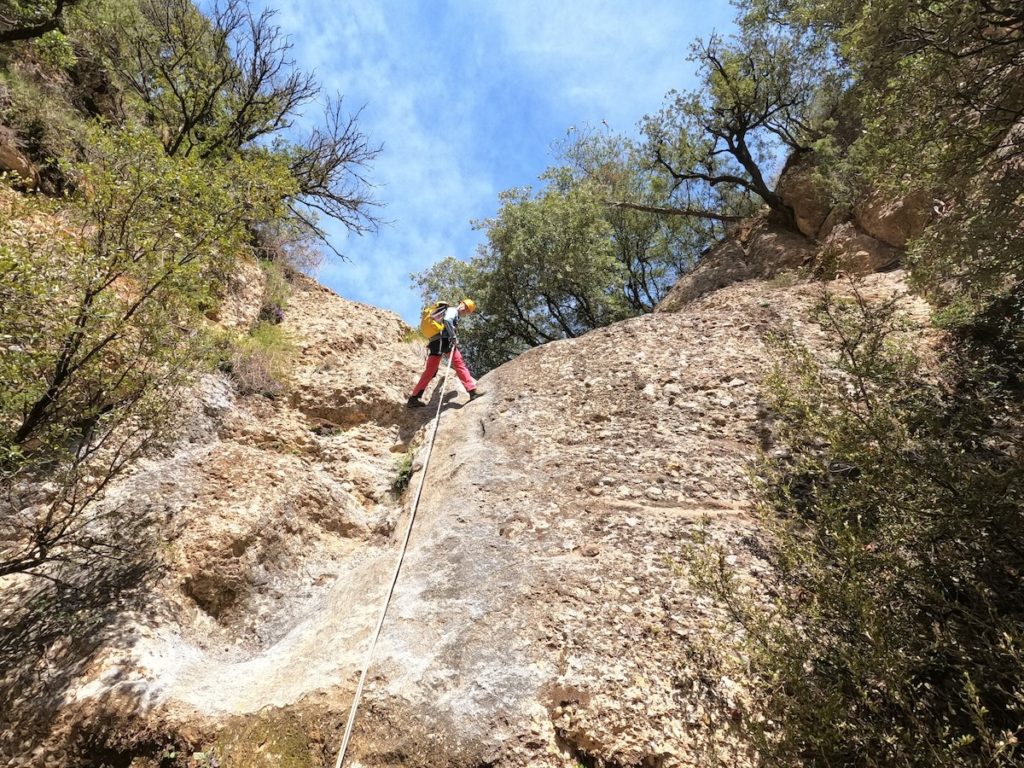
{"points": [[541, 617]]}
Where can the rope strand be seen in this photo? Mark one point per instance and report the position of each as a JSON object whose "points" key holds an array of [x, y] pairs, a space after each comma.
{"points": [[394, 579]]}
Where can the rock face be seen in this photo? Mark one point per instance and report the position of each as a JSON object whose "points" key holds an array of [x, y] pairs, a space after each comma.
{"points": [[858, 253], [757, 250], [894, 222], [13, 160], [540, 618], [240, 307], [275, 519], [803, 193], [541, 615], [891, 222]]}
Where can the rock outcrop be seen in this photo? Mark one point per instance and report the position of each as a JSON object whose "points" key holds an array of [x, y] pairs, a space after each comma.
{"points": [[541, 617], [894, 222], [890, 221], [802, 191], [14, 161], [758, 249], [855, 252]]}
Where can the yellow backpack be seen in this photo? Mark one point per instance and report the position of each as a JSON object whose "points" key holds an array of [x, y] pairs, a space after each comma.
{"points": [[433, 319]]}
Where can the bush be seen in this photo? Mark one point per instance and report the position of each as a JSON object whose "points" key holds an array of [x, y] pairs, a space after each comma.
{"points": [[258, 362], [276, 291], [896, 519], [100, 305], [48, 129]]}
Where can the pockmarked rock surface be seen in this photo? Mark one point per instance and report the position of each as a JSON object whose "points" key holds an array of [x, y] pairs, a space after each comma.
{"points": [[754, 249], [274, 519], [545, 563], [542, 616]]}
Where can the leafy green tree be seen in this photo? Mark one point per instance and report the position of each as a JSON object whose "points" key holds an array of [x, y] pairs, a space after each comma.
{"points": [[547, 272], [556, 275], [762, 95], [654, 249], [216, 85], [101, 321], [591, 247], [27, 20]]}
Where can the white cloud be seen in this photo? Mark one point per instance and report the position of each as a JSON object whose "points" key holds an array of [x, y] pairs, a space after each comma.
{"points": [[610, 59], [467, 96]]}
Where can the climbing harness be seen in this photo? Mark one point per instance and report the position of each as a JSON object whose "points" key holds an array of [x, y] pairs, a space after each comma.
{"points": [[398, 568]]}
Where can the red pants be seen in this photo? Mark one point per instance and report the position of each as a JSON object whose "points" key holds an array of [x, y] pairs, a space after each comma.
{"points": [[434, 361]]}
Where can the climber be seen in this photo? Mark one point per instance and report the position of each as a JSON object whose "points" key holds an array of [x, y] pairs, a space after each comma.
{"points": [[439, 326]]}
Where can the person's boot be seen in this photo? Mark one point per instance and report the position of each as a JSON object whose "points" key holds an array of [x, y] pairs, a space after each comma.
{"points": [[415, 402], [475, 394]]}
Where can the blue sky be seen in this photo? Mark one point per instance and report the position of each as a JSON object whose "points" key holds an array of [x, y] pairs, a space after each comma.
{"points": [[467, 98]]}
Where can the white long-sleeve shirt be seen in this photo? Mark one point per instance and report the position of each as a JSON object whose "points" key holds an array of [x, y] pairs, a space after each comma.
{"points": [[451, 320]]}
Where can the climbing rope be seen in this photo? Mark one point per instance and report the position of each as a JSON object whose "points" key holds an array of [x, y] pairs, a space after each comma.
{"points": [[394, 579]]}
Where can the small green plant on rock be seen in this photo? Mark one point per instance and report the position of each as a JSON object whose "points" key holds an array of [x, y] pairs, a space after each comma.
{"points": [[258, 362], [403, 472], [276, 292]]}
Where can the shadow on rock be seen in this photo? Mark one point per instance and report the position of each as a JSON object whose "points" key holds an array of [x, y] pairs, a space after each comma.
{"points": [[50, 632], [417, 417]]}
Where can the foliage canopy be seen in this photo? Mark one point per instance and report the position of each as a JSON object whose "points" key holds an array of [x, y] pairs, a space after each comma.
{"points": [[166, 132], [896, 503], [571, 256]]}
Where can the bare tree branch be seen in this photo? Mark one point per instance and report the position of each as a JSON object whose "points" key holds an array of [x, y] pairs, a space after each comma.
{"points": [[18, 29], [667, 211]]}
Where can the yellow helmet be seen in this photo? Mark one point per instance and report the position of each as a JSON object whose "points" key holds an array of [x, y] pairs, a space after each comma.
{"points": [[470, 304]]}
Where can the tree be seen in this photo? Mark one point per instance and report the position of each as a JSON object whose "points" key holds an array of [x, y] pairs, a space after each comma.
{"points": [[547, 272], [761, 95], [219, 85], [653, 242], [100, 322], [571, 256], [27, 21], [327, 166]]}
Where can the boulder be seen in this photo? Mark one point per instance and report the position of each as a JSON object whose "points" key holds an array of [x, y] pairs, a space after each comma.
{"points": [[762, 251], [724, 263], [12, 160], [894, 222], [772, 249], [838, 215], [808, 198], [858, 253]]}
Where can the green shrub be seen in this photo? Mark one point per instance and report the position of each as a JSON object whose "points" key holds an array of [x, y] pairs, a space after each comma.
{"points": [[47, 128], [403, 472], [101, 300], [276, 291], [895, 518], [259, 361], [55, 49]]}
